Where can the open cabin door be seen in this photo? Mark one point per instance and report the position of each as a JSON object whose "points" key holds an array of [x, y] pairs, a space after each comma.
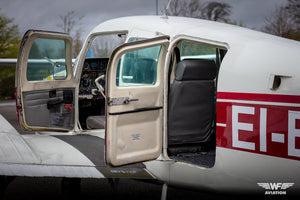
{"points": [[134, 107], [45, 84]]}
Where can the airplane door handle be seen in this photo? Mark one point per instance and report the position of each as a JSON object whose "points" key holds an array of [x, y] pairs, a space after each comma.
{"points": [[120, 101], [128, 100]]}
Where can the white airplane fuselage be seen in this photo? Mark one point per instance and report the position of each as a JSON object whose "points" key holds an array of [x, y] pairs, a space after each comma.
{"points": [[257, 120]]}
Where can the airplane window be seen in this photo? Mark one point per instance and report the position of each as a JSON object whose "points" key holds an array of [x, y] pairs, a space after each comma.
{"points": [[192, 50], [134, 39], [195, 50], [47, 60], [138, 68], [104, 45]]}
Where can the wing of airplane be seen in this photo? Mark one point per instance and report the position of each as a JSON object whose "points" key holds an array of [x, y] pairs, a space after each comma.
{"points": [[8, 62], [12, 62], [57, 155]]}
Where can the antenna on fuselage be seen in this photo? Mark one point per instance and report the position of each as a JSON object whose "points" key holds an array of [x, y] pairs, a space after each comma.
{"points": [[166, 10]]}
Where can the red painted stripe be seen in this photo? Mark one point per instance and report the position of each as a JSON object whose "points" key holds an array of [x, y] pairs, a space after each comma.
{"points": [[276, 120], [259, 97], [16, 99]]}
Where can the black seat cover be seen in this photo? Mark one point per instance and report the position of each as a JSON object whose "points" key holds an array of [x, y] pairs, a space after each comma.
{"points": [[192, 102]]}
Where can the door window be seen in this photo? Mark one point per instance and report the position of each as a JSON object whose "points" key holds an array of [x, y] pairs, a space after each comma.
{"points": [[138, 68], [47, 60]]}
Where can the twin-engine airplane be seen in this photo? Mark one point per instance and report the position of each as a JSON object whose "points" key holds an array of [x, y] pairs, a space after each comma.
{"points": [[182, 101]]}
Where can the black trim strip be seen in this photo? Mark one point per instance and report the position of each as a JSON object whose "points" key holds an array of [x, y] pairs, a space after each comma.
{"points": [[137, 110], [92, 147]]}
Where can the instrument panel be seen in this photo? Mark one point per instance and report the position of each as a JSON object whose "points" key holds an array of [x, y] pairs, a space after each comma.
{"points": [[92, 69]]}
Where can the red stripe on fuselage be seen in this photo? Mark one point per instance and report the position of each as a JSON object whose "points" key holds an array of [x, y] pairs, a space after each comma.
{"points": [[263, 128]]}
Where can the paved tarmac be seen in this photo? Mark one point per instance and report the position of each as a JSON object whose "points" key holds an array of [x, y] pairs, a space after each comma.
{"points": [[50, 188]]}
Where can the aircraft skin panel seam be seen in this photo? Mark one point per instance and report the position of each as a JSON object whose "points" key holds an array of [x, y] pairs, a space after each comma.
{"points": [[13, 147], [6, 127], [33, 170], [53, 151]]}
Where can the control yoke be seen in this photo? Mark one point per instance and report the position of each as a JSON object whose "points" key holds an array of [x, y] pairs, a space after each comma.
{"points": [[99, 86]]}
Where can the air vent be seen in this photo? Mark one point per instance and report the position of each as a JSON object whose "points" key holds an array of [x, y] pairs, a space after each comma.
{"points": [[276, 80]]}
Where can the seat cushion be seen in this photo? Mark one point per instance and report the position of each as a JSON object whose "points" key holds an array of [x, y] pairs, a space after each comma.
{"points": [[191, 111], [95, 122]]}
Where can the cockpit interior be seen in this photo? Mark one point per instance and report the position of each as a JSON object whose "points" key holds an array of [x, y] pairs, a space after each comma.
{"points": [[91, 101]]}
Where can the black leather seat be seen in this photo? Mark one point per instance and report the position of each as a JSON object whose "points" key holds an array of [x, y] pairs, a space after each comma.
{"points": [[192, 100]]}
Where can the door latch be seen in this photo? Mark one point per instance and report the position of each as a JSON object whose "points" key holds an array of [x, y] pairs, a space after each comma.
{"points": [[120, 101]]}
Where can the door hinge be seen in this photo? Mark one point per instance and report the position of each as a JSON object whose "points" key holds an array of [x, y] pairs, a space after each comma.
{"points": [[119, 101], [18, 103], [19, 106]]}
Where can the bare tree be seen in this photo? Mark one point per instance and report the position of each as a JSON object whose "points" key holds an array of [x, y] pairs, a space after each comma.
{"points": [[215, 11], [68, 22], [280, 23], [190, 8], [293, 9], [77, 43]]}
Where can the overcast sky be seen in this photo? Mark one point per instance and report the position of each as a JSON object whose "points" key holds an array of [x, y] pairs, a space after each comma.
{"points": [[44, 14]]}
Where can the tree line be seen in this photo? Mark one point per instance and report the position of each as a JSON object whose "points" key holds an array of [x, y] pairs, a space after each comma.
{"points": [[284, 21]]}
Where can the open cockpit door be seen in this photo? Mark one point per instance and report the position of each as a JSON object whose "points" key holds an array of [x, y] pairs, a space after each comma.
{"points": [[134, 107], [45, 84]]}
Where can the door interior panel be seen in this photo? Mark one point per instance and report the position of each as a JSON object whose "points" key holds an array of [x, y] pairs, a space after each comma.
{"points": [[134, 112], [49, 108]]}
